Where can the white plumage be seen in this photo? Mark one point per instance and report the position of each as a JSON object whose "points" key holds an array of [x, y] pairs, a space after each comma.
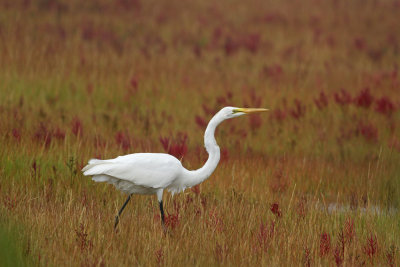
{"points": [[138, 173], [151, 173]]}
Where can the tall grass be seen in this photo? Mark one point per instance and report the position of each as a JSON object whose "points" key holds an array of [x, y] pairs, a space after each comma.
{"points": [[314, 182]]}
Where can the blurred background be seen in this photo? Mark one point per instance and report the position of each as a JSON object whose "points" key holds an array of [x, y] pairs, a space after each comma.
{"points": [[84, 79]]}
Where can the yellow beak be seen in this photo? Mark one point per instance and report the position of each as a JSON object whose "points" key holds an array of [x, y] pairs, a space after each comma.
{"points": [[250, 110]]}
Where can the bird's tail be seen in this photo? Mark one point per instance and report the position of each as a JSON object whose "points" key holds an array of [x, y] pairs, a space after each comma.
{"points": [[92, 163], [95, 168]]}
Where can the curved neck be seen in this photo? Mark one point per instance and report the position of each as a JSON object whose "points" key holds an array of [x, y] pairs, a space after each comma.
{"points": [[197, 176]]}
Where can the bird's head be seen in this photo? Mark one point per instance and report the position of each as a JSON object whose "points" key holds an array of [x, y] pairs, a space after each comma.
{"points": [[233, 112]]}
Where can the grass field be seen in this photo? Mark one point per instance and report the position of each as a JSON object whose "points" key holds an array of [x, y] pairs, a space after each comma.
{"points": [[316, 181]]}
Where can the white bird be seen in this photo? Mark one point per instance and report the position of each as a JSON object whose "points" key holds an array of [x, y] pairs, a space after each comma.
{"points": [[151, 173]]}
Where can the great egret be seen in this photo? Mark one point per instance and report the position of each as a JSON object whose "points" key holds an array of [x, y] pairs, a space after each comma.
{"points": [[151, 173]]}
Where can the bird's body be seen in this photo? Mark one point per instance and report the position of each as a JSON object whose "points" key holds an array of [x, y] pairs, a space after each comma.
{"points": [[151, 173], [139, 173]]}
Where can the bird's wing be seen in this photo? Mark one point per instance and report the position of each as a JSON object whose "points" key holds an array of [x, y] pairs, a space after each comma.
{"points": [[154, 170]]}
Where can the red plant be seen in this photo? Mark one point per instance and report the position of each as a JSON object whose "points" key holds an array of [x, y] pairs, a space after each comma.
{"points": [[224, 154], [385, 106], [231, 46], [76, 126], [343, 97], [35, 169], [201, 122], [390, 256], [43, 134], [364, 99], [307, 257], [172, 220], [196, 189], [176, 147], [265, 235], [203, 201], [368, 131], [84, 242], [207, 110], [159, 257], [301, 208], [324, 244], [338, 253], [16, 134], [59, 134], [279, 114], [255, 122], [134, 83], [371, 246], [360, 43], [197, 50], [274, 71], [251, 42], [321, 101], [123, 140], [299, 110], [221, 101], [276, 210], [349, 230], [10, 202]]}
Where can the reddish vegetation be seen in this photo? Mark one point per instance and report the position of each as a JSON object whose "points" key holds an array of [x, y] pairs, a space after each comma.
{"points": [[43, 134], [16, 134], [279, 114], [196, 189], [349, 231], [201, 122], [360, 43], [385, 106], [301, 208], [122, 139], [276, 210], [307, 257], [255, 122], [338, 253], [299, 109], [343, 97], [82, 238], [390, 256], [275, 72], [172, 220], [265, 235], [324, 244], [176, 147], [368, 131], [371, 246], [76, 126], [321, 101], [364, 99]]}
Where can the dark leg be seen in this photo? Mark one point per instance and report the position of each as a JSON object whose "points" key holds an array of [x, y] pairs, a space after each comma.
{"points": [[162, 213], [120, 211]]}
